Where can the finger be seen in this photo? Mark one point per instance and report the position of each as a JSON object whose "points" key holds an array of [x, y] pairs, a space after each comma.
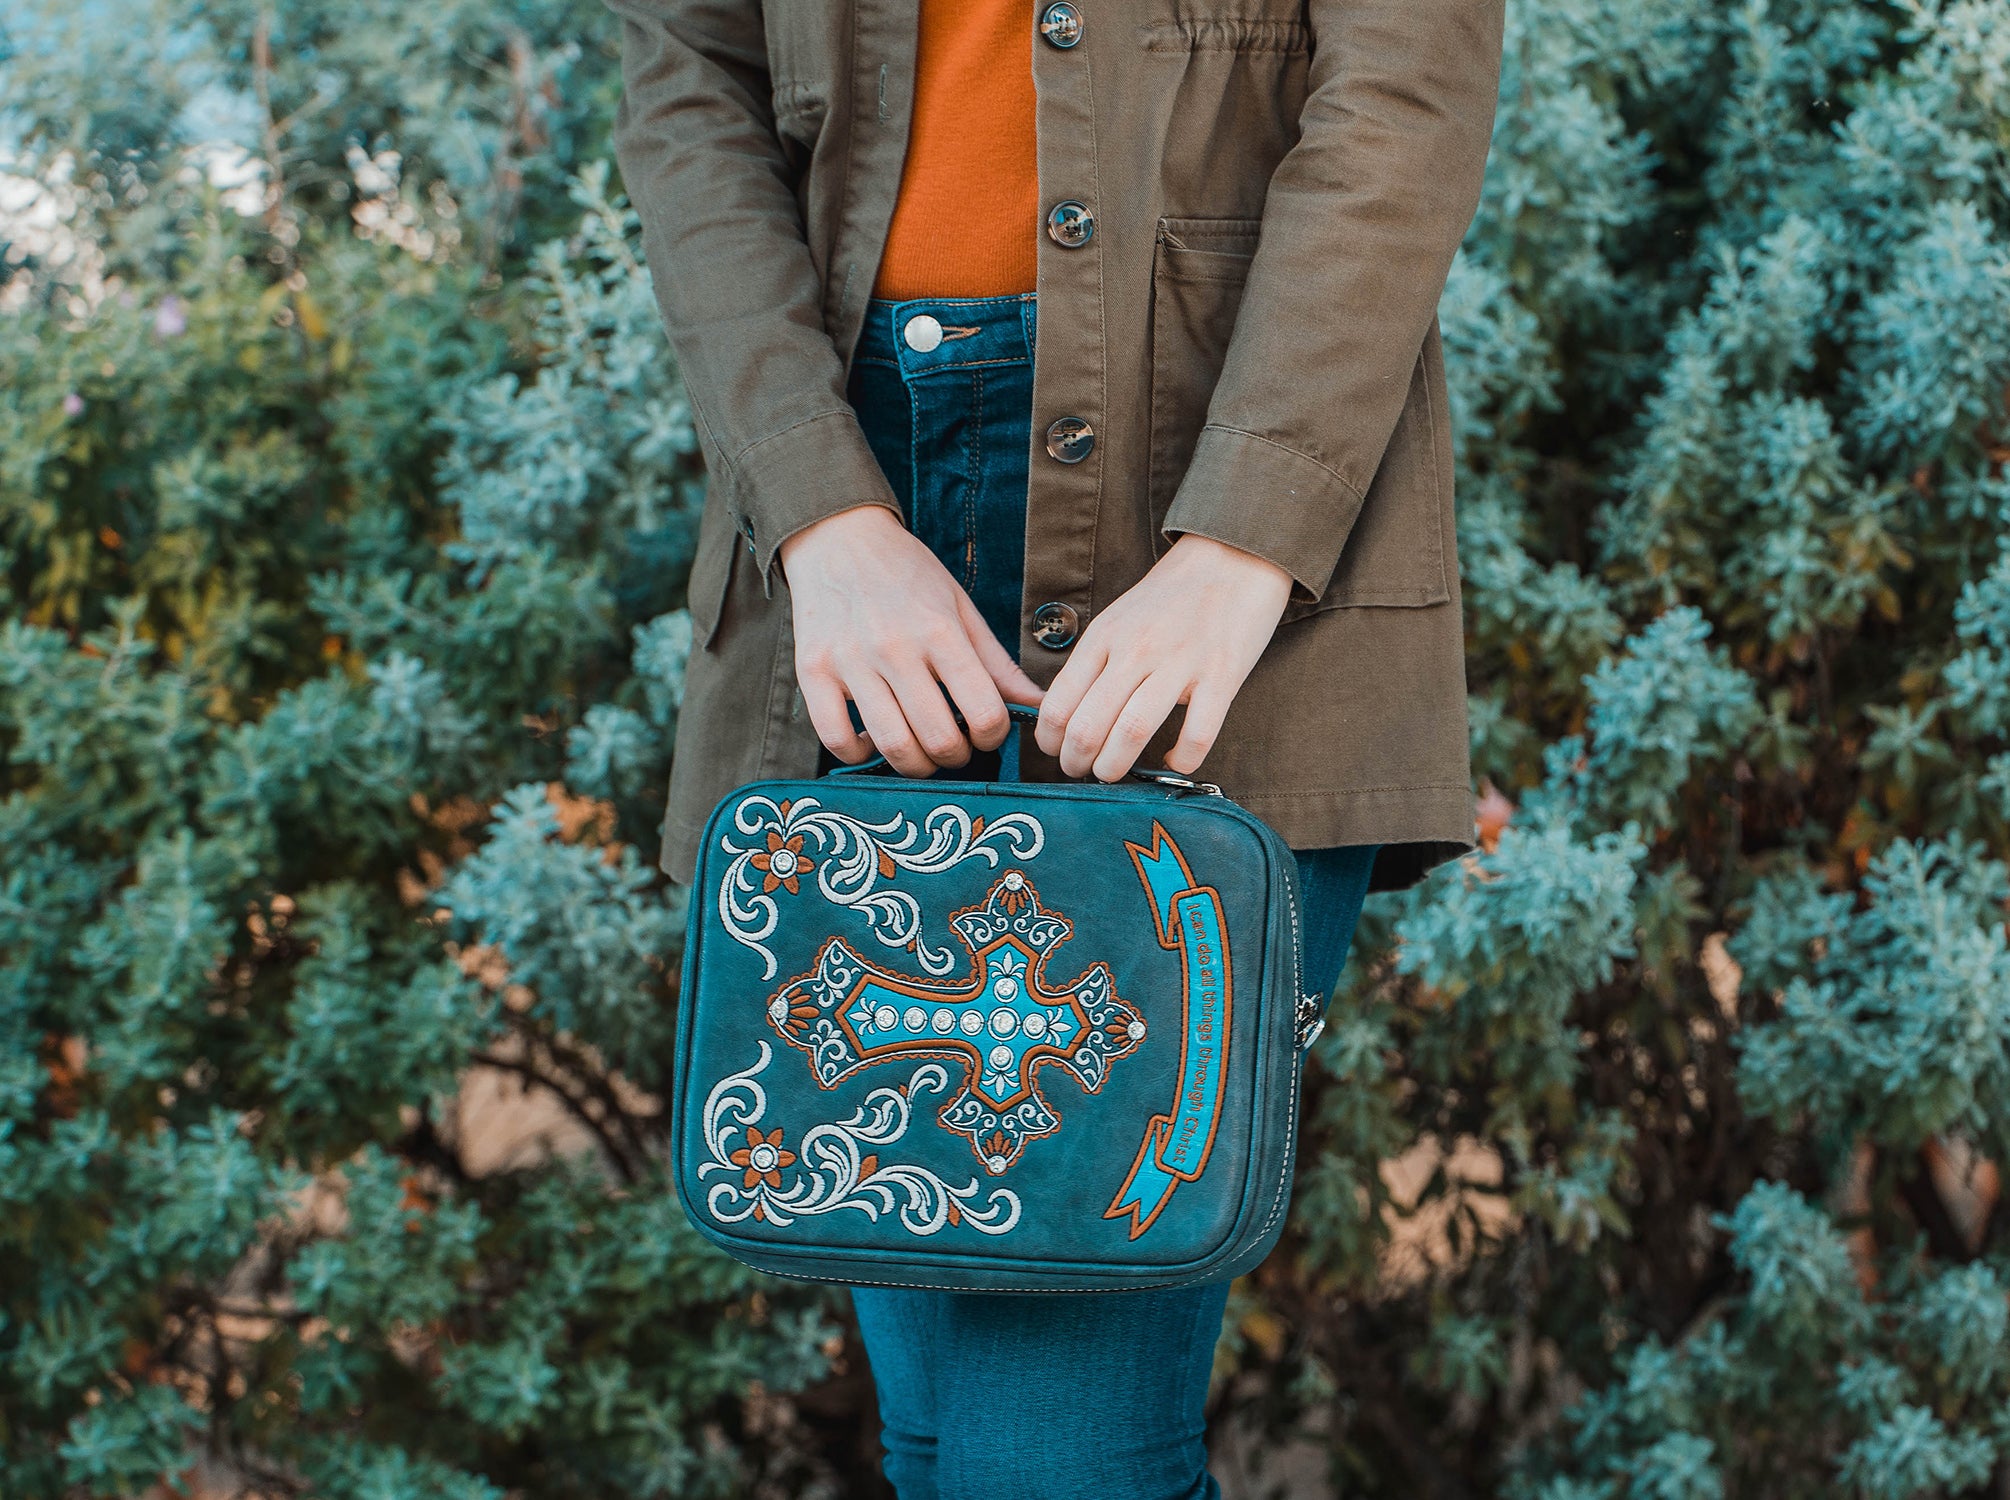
{"points": [[975, 695], [1002, 667], [887, 727], [824, 697], [928, 714], [1138, 720], [1066, 691], [1207, 707], [1096, 715]]}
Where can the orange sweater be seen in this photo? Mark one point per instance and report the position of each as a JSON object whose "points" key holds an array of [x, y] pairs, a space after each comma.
{"points": [[967, 221]]}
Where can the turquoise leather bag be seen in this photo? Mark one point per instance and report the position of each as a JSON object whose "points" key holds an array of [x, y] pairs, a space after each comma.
{"points": [[1000, 1036]]}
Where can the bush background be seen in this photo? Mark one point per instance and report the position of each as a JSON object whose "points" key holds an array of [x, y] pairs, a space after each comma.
{"points": [[346, 495]]}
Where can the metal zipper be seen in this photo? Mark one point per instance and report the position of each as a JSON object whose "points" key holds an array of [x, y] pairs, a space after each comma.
{"points": [[1177, 782], [1310, 1018]]}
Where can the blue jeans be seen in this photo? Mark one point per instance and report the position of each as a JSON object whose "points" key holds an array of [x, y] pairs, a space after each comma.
{"points": [[1011, 1396]]}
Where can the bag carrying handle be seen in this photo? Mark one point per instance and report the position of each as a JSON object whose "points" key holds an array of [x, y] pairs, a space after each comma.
{"points": [[1022, 714]]}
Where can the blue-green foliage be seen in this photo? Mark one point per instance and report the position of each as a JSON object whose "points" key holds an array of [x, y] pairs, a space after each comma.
{"points": [[1726, 996], [1897, 1023], [341, 647], [338, 572]]}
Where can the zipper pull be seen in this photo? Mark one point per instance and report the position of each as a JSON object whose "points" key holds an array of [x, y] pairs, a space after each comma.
{"points": [[1177, 782], [1311, 1020]]}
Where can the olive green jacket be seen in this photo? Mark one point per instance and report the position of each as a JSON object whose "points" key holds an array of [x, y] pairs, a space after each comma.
{"points": [[1278, 187]]}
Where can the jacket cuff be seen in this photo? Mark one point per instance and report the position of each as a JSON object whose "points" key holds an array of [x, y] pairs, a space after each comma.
{"points": [[1265, 498], [796, 477]]}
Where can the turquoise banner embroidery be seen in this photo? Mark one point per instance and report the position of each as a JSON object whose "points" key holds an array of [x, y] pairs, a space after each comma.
{"points": [[1176, 1144]]}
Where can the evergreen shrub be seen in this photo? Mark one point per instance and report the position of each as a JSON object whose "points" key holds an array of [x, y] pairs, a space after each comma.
{"points": [[346, 496]]}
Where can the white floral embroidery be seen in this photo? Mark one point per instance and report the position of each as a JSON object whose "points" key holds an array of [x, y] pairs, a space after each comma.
{"points": [[850, 858], [830, 1171]]}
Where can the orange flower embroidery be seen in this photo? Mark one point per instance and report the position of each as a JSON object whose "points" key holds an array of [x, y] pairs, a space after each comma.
{"points": [[763, 1157], [1013, 892], [783, 863]]}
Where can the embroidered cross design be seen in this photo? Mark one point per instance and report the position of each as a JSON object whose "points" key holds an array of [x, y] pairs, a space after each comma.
{"points": [[1006, 1024]]}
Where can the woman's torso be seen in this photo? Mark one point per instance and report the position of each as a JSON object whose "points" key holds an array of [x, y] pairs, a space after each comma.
{"points": [[1163, 125]]}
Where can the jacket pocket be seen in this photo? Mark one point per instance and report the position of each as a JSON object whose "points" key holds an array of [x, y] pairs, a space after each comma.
{"points": [[1395, 555], [1199, 267]]}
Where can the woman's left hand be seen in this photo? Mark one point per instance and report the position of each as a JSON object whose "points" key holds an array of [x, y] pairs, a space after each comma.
{"points": [[1188, 632]]}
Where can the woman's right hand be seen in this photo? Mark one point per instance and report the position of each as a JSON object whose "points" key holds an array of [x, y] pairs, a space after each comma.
{"points": [[880, 622]]}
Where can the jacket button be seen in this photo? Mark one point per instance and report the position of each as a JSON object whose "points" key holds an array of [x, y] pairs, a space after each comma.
{"points": [[1070, 440], [1054, 626], [1061, 25], [1070, 225]]}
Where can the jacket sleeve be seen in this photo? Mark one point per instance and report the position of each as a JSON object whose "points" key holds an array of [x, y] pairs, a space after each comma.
{"points": [[1360, 223], [740, 297]]}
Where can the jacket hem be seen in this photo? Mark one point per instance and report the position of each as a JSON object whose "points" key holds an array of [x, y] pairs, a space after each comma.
{"points": [[1419, 827]]}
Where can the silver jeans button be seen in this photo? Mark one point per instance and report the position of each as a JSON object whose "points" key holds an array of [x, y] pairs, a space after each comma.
{"points": [[922, 333]]}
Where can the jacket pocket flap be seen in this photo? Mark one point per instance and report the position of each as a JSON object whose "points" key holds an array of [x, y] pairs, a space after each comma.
{"points": [[1207, 249]]}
